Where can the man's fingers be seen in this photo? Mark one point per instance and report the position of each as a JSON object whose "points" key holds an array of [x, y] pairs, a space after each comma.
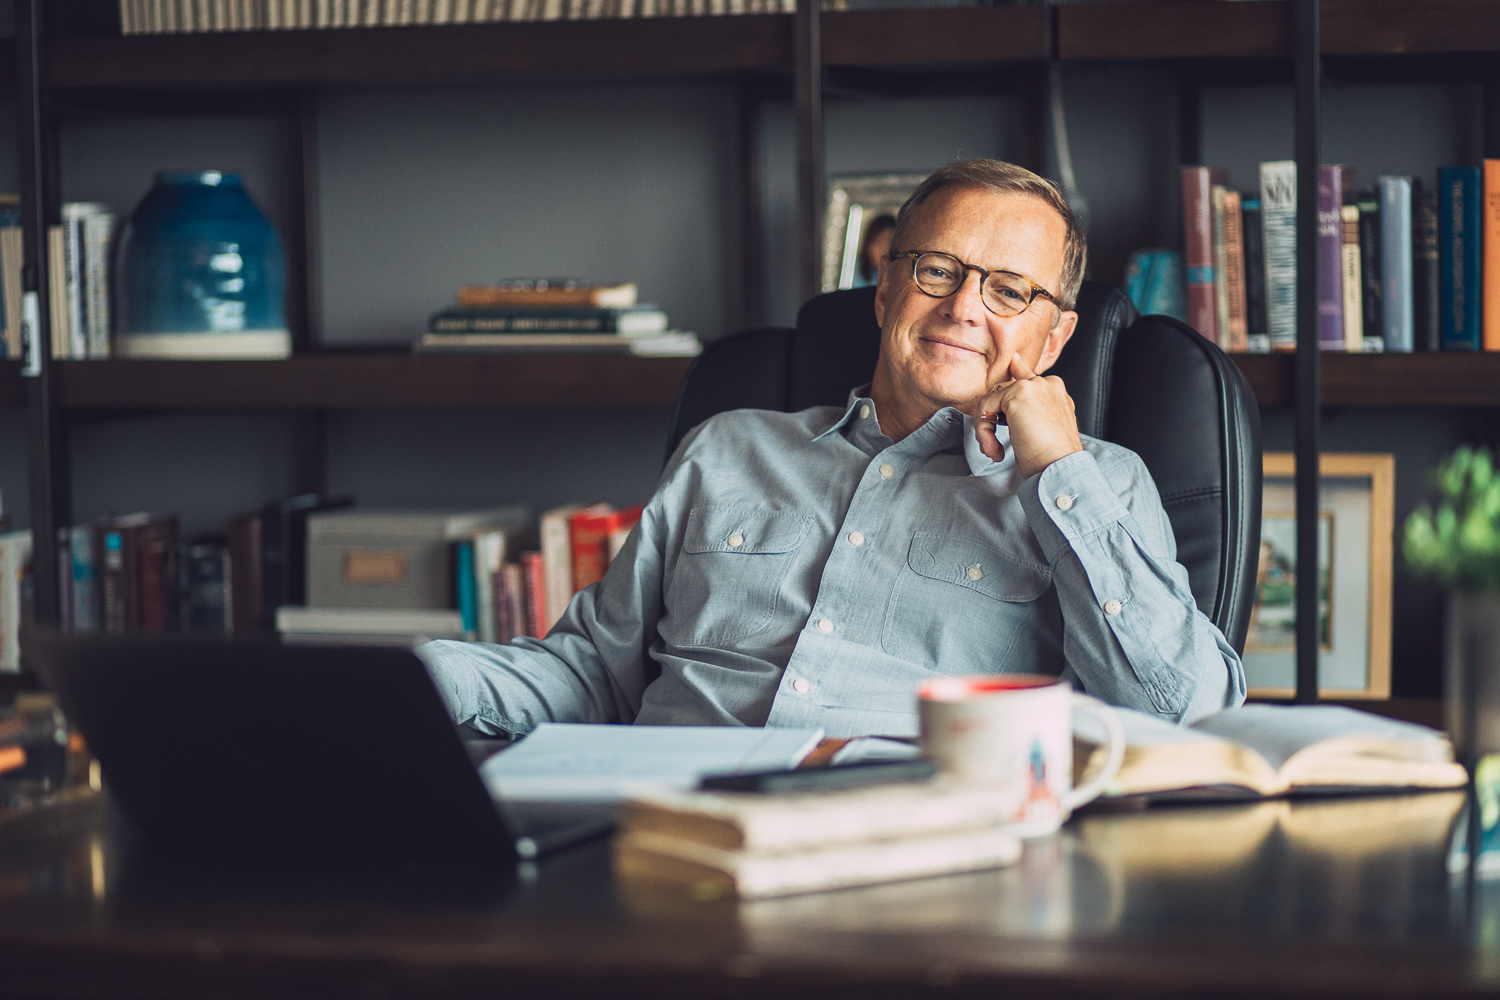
{"points": [[1019, 369], [989, 443]]}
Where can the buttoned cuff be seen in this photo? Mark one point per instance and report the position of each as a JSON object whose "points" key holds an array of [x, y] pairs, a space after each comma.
{"points": [[1068, 500]]}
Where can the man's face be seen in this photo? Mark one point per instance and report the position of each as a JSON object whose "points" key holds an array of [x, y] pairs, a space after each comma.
{"points": [[952, 351]]}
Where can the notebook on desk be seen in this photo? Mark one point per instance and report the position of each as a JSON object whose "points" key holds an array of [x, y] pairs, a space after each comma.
{"points": [[344, 751]]}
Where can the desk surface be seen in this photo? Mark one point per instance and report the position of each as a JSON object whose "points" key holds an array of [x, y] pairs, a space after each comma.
{"points": [[1343, 898]]}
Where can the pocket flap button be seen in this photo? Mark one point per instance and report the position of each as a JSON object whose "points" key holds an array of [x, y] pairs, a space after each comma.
{"points": [[735, 540]]}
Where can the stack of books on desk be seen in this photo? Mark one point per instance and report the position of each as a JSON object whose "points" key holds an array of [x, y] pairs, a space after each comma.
{"points": [[554, 314], [714, 844]]}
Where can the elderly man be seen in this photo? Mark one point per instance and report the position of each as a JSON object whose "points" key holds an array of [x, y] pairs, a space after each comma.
{"points": [[809, 569]]}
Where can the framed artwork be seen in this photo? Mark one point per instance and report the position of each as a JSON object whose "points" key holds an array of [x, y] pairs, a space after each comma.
{"points": [[856, 231], [1356, 526]]}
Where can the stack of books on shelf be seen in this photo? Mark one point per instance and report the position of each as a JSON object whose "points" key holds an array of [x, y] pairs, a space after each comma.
{"points": [[78, 262], [1400, 267], [174, 16], [554, 314], [707, 845]]}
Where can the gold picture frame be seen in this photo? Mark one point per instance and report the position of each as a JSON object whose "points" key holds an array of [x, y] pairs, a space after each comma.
{"points": [[1357, 504]]}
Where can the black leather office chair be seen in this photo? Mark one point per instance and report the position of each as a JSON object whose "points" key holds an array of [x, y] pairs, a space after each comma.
{"points": [[1149, 383]]}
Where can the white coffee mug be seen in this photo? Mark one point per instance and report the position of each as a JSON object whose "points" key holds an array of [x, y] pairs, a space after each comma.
{"points": [[1014, 733]]}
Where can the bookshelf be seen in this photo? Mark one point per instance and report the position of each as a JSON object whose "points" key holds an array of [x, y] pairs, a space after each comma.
{"points": [[895, 52]]}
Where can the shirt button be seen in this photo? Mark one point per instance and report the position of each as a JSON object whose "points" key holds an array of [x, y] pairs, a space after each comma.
{"points": [[800, 685], [1064, 502], [975, 573], [864, 412], [735, 540], [825, 625], [855, 538], [1112, 606], [886, 472]]}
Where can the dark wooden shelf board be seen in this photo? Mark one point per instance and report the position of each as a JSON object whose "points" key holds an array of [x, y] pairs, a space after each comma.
{"points": [[373, 380], [652, 46], [1192, 29], [935, 36], [1441, 379], [1175, 29]]}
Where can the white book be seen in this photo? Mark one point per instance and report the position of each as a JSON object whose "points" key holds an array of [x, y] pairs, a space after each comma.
{"points": [[786, 823], [323, 14], [1278, 214], [98, 237], [15, 557], [394, 622], [557, 560], [1354, 311], [442, 11], [709, 873], [610, 763], [491, 548], [370, 13], [57, 291], [74, 220]]}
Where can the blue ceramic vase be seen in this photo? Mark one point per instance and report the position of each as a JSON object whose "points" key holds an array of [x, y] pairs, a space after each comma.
{"points": [[200, 273]]}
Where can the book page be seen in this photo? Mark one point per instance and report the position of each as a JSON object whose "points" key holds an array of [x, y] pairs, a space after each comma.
{"points": [[569, 762], [1277, 732]]}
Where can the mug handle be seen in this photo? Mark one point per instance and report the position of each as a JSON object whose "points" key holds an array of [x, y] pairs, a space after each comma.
{"points": [[1091, 790]]}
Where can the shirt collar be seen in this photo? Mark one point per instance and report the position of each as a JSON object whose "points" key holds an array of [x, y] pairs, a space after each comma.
{"points": [[946, 428]]}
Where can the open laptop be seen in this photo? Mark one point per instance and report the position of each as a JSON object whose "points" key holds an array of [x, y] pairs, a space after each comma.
{"points": [[269, 749]]}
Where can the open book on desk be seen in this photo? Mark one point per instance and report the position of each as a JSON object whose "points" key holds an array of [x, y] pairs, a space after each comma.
{"points": [[575, 762], [1265, 750]]}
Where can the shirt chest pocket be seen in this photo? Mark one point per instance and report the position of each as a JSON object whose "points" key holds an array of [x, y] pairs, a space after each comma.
{"points": [[959, 604], [731, 574]]}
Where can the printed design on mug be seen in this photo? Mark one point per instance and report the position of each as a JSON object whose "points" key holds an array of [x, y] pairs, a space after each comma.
{"points": [[1041, 800]]}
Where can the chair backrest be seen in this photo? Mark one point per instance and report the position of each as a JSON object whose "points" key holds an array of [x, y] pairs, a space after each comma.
{"points": [[1200, 440]]}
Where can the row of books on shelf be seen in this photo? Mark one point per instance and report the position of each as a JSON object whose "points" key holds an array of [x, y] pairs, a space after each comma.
{"points": [[314, 568], [78, 260], [554, 314], [175, 16], [1399, 267]]}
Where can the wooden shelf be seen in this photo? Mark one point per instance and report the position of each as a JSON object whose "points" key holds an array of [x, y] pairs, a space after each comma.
{"points": [[373, 380], [1192, 29], [648, 47], [1450, 378]]}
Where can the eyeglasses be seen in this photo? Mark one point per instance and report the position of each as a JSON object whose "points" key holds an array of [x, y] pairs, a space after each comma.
{"points": [[1003, 293]]}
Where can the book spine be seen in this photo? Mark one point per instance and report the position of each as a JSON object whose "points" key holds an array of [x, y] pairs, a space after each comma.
{"points": [[1369, 267], [1234, 272], [15, 554], [114, 581], [10, 285], [57, 290], [1491, 296], [1256, 335], [489, 550], [1426, 270], [1278, 213], [1221, 286], [1330, 259], [83, 575], [1397, 311], [1354, 321], [243, 539], [515, 599], [467, 598], [64, 581], [97, 239], [536, 594], [156, 577], [1459, 223], [590, 540], [1197, 247], [557, 561], [504, 629], [74, 241]]}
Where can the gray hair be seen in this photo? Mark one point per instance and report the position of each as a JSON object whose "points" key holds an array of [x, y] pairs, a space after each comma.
{"points": [[1000, 177]]}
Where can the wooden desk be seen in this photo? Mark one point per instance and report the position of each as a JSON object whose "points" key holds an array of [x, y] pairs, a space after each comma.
{"points": [[1346, 899]]}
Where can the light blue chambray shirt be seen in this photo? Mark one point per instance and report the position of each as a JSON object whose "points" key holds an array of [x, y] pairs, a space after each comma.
{"points": [[802, 569]]}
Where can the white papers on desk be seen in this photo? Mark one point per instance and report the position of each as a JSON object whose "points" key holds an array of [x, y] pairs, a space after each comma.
{"points": [[573, 762]]}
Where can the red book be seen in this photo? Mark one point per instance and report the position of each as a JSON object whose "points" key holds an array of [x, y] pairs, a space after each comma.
{"points": [[591, 532], [156, 564], [536, 594], [1198, 247]]}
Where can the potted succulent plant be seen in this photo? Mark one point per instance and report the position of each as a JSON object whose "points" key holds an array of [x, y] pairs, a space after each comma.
{"points": [[1457, 543]]}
